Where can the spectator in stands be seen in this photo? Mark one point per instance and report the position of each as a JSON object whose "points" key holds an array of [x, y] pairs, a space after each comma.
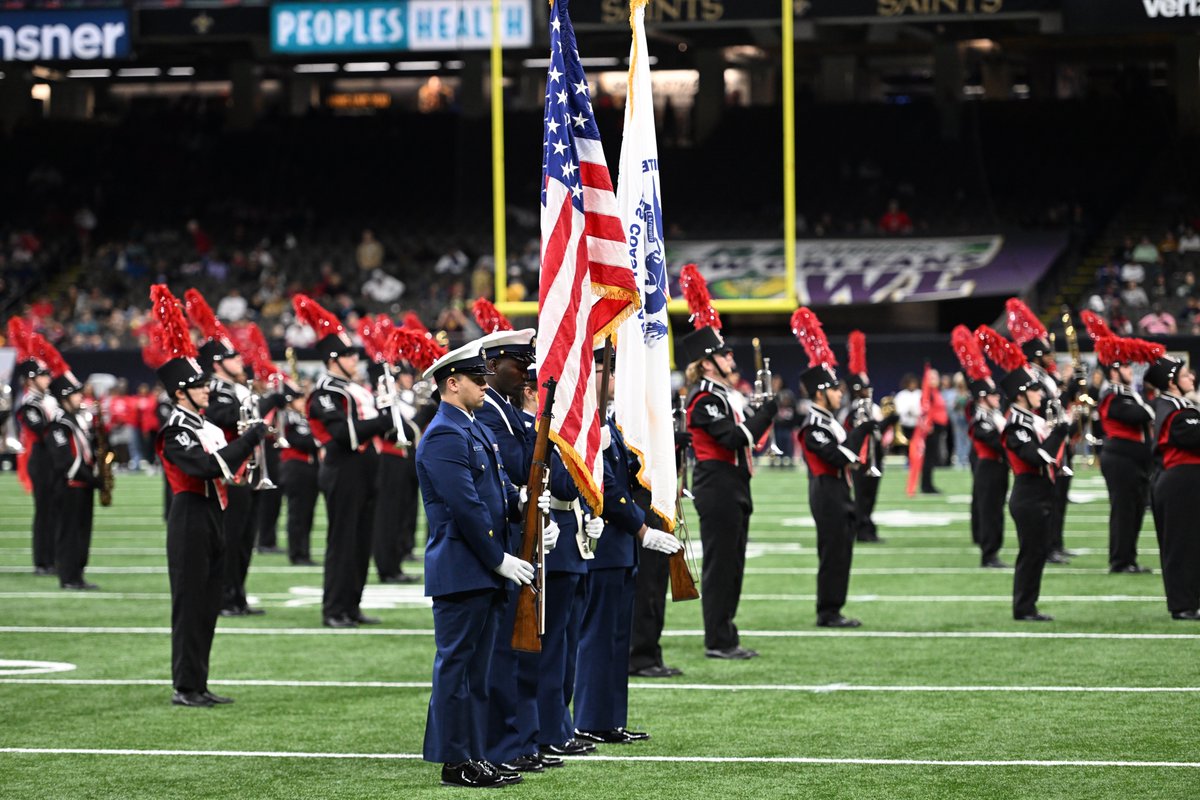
{"points": [[1118, 321], [482, 278], [370, 252], [895, 222], [147, 415], [957, 404], [1134, 296], [1187, 286], [1133, 272], [908, 404], [200, 240], [1145, 252], [383, 288], [1158, 288], [232, 307], [1157, 323], [1190, 316], [1168, 250], [454, 262], [1189, 243]]}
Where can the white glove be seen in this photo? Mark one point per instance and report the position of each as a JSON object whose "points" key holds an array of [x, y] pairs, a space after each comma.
{"points": [[385, 400], [550, 536], [593, 526], [661, 542], [544, 502], [514, 569]]}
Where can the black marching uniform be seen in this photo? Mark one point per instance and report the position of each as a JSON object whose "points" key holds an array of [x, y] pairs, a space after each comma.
{"points": [[724, 440], [1125, 464], [1062, 395], [35, 413], [828, 451], [1034, 461], [72, 454], [298, 479], [197, 462], [989, 487], [1176, 499], [270, 501], [397, 495], [344, 421]]}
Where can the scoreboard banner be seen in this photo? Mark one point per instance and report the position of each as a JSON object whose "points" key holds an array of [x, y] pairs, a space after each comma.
{"points": [[1124, 16], [918, 10], [868, 271], [396, 26], [99, 35]]}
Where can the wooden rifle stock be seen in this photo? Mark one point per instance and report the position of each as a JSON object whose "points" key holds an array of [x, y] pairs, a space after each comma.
{"points": [[527, 627], [683, 585]]}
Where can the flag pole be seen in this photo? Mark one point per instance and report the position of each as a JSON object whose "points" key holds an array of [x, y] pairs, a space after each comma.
{"points": [[499, 218], [789, 150]]}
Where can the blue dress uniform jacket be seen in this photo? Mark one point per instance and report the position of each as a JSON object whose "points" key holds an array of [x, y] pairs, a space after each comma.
{"points": [[468, 501], [602, 680]]}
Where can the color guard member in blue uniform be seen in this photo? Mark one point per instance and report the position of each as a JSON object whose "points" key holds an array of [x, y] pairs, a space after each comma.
{"points": [[602, 677], [469, 501]]}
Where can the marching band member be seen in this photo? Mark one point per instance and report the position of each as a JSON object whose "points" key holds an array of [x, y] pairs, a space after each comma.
{"points": [[862, 409], [344, 418], [197, 462], [989, 465], [1033, 455], [35, 410], [1126, 460], [1175, 496], [298, 480], [72, 449], [724, 435], [829, 451]]}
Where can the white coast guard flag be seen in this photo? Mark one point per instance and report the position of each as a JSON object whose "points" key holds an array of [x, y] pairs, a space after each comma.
{"points": [[643, 383]]}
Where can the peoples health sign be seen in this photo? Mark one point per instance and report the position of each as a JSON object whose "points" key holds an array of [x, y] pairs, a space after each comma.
{"points": [[64, 35], [302, 28]]}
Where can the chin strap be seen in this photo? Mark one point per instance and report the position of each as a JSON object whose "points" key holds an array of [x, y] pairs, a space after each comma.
{"points": [[724, 375]]}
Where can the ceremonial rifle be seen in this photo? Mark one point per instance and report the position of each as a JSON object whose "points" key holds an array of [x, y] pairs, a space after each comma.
{"points": [[531, 601]]}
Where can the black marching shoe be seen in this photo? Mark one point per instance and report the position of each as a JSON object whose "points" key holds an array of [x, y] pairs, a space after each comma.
{"points": [[304, 562], [80, 586], [270, 551], [571, 747], [45, 571], [470, 775], [250, 611], [233, 611], [191, 699], [838, 622], [1057, 557], [217, 699], [731, 653], [1131, 569], [994, 563], [1191, 616], [549, 761], [341, 621], [656, 671], [614, 736], [1034, 617], [363, 619], [399, 578], [634, 736], [531, 763]]}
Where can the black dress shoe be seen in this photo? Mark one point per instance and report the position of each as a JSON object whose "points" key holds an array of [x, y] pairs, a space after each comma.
{"points": [[656, 671], [506, 776], [1068, 553], [549, 761], [1191, 616], [1131, 569], [233, 612], [191, 699], [339, 622], [270, 551], [45, 571], [838, 622], [1034, 617], [1056, 557], [471, 775], [80, 586], [571, 747], [217, 699], [994, 563], [588, 747], [401, 578], [634, 736], [530, 763], [304, 562], [731, 653], [870, 539], [363, 619], [614, 736], [249, 611]]}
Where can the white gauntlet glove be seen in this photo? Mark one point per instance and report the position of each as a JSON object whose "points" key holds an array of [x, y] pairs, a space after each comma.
{"points": [[550, 536], [385, 400], [593, 526], [544, 503], [514, 569], [661, 542]]}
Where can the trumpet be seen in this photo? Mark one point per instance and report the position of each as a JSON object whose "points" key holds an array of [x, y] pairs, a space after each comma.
{"points": [[887, 407], [281, 442], [257, 463], [863, 409], [387, 386], [763, 379]]}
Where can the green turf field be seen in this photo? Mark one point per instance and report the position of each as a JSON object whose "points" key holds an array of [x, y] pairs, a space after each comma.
{"points": [[940, 694]]}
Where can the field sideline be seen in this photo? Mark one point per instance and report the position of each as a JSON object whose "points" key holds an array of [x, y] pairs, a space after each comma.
{"points": [[941, 694]]}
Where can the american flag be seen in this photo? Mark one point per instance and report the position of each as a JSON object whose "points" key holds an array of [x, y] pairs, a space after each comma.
{"points": [[587, 286]]}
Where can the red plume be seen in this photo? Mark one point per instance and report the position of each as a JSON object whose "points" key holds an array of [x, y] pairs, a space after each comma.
{"points": [[1111, 349], [808, 330], [489, 317], [48, 354], [373, 341], [1023, 324], [1097, 328], [1000, 350], [411, 320], [154, 351], [18, 336], [969, 353], [695, 292], [202, 316], [260, 352], [176, 338], [311, 313], [416, 347], [857, 346]]}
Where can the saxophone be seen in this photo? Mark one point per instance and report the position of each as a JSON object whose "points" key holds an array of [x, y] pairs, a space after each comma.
{"points": [[104, 457]]}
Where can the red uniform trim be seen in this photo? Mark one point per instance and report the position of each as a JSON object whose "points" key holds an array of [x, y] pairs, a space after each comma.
{"points": [[1173, 456], [1115, 429], [705, 446]]}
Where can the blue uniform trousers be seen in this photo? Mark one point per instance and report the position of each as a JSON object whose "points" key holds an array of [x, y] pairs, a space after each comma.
{"points": [[602, 675], [465, 625], [565, 594], [512, 727]]}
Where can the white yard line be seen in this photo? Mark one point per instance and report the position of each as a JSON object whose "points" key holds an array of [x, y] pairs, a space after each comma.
{"points": [[783, 598], [881, 762]]}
